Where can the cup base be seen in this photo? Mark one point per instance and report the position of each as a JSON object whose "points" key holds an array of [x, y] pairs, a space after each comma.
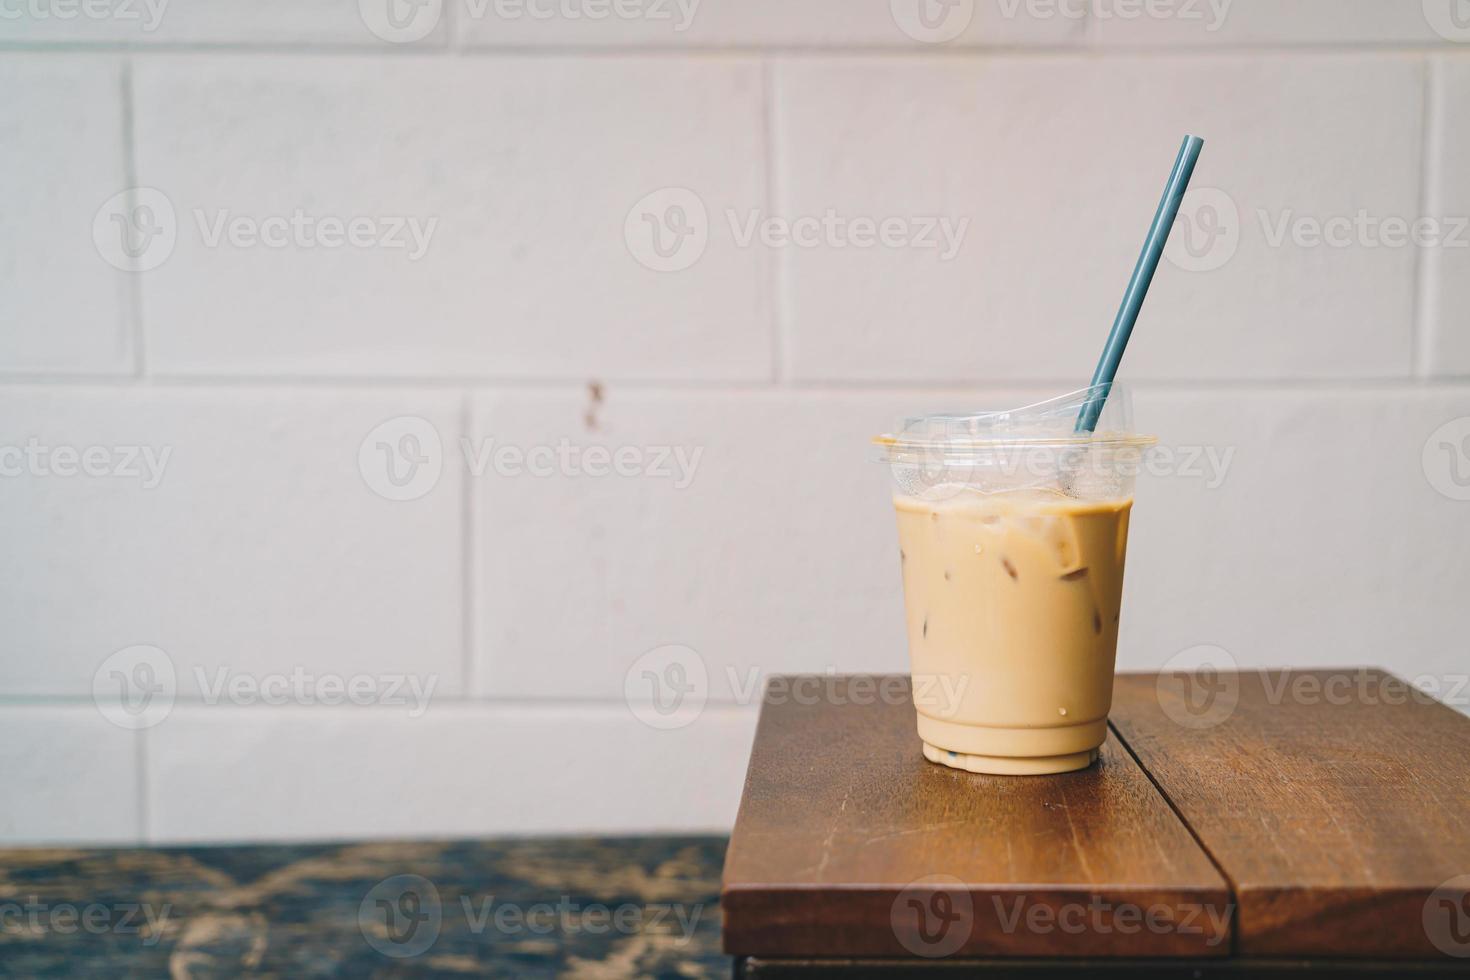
{"points": [[1001, 765]]}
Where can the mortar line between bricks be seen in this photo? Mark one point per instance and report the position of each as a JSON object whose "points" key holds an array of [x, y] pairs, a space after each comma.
{"points": [[1422, 327], [42, 701], [775, 263], [137, 336], [468, 563], [367, 385], [1081, 49]]}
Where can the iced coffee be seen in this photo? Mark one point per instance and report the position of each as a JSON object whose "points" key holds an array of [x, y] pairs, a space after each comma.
{"points": [[1012, 539]]}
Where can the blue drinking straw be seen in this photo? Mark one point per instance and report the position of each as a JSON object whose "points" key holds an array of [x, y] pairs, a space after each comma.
{"points": [[1143, 274]]}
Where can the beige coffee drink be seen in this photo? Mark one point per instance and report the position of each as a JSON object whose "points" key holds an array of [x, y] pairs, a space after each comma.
{"points": [[1019, 592], [1012, 539]]}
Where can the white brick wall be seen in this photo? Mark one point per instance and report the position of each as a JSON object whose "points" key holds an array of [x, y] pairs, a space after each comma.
{"points": [[272, 554], [524, 272], [63, 151], [1050, 182]]}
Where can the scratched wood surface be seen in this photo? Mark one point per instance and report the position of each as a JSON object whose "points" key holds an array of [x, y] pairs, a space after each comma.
{"points": [[643, 907], [1115, 968], [848, 843], [1336, 802]]}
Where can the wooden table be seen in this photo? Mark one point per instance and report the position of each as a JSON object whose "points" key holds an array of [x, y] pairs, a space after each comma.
{"points": [[513, 909], [1322, 828], [1261, 823]]}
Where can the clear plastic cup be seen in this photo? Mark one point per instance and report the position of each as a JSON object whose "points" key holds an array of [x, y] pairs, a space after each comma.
{"points": [[1013, 531]]}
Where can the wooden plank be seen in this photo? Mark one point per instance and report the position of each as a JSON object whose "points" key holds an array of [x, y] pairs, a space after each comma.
{"points": [[1336, 802], [756, 968], [848, 843]]}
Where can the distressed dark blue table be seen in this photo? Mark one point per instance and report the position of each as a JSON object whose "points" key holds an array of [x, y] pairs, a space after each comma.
{"points": [[609, 907]]}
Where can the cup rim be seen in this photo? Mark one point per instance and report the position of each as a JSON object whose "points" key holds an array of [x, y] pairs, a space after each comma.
{"points": [[899, 448]]}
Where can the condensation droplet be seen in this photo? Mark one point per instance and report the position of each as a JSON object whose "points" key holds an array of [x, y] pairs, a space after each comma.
{"points": [[979, 549], [1062, 710]]}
